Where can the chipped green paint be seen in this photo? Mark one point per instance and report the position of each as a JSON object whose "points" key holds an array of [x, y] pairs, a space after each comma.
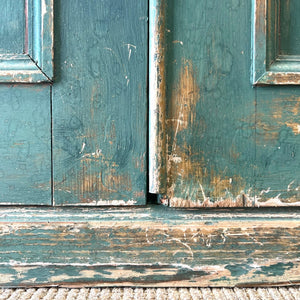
{"points": [[157, 96], [69, 247], [228, 144], [211, 104]]}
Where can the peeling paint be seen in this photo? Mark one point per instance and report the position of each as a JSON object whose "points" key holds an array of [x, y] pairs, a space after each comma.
{"points": [[295, 127]]}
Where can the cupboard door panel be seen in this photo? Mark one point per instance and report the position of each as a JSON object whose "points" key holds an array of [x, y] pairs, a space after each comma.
{"points": [[229, 143], [99, 103], [12, 28], [210, 104]]}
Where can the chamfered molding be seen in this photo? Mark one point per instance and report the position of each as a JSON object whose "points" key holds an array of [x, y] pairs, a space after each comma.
{"points": [[36, 63], [268, 66]]}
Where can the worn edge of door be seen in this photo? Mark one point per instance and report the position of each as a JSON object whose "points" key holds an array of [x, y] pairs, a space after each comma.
{"points": [[149, 246], [157, 97]]}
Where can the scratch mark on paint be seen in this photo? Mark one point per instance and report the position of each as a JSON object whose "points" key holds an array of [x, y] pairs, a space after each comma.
{"points": [[129, 47], [178, 42], [265, 191], [290, 185], [82, 148], [180, 242]]}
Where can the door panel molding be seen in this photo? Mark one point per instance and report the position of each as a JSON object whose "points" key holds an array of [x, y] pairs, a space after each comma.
{"points": [[35, 64]]}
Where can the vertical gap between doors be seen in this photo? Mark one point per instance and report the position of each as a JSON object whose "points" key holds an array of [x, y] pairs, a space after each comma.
{"points": [[51, 144]]}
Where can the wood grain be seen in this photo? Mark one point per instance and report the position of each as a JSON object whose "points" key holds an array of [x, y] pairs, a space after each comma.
{"points": [[100, 103], [211, 104], [121, 247]]}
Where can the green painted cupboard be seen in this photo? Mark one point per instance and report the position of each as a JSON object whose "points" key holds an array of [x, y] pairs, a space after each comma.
{"points": [[149, 143]]}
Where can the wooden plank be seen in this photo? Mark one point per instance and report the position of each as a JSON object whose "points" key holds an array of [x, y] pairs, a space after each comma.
{"points": [[100, 103], [119, 247], [278, 146], [25, 146], [211, 105]]}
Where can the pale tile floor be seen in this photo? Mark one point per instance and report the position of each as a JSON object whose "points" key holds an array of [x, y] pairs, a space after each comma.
{"points": [[282, 293]]}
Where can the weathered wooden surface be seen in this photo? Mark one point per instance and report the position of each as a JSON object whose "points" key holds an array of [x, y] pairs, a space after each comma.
{"points": [[25, 146], [216, 121], [278, 146], [157, 96], [143, 247], [211, 104], [100, 103]]}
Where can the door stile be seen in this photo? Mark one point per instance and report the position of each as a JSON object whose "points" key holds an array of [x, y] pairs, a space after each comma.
{"points": [[157, 97]]}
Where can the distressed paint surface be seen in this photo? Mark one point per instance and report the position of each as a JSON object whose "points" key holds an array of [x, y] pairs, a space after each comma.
{"points": [[218, 129], [25, 146], [157, 96], [100, 103], [211, 104], [228, 144], [117, 247], [278, 146]]}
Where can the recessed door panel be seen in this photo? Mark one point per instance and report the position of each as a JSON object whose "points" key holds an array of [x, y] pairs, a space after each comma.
{"points": [[12, 29]]}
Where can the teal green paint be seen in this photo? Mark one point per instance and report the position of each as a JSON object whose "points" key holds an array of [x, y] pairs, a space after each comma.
{"points": [[275, 270], [105, 274], [219, 142], [25, 160], [12, 26], [37, 30], [100, 103], [35, 62], [64, 246], [238, 269], [289, 27], [277, 145]]}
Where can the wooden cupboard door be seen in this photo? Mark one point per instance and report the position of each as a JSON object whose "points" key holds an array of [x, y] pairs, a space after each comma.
{"points": [[73, 113], [230, 98], [99, 102]]}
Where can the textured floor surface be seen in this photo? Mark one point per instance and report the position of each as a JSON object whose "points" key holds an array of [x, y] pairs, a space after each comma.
{"points": [[290, 293]]}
